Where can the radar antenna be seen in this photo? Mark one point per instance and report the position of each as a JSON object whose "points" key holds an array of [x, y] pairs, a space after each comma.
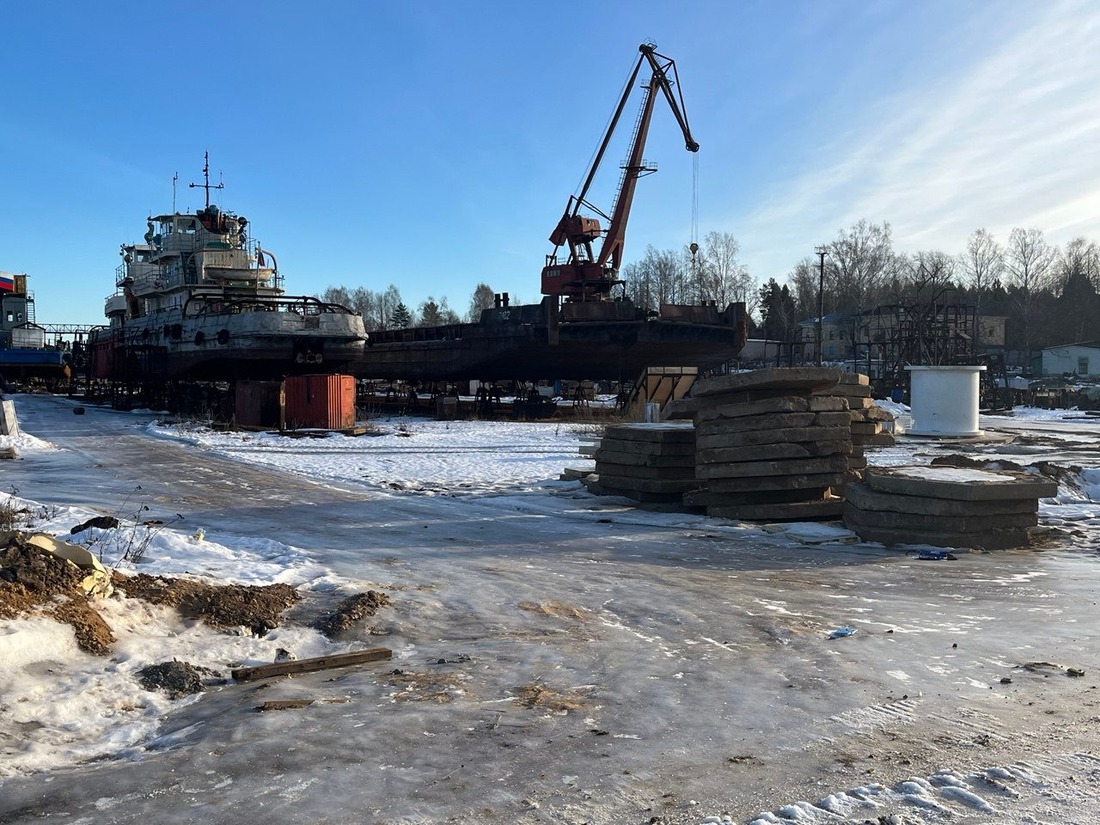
{"points": [[206, 177]]}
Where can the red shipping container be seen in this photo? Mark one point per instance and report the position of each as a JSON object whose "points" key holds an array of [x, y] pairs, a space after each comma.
{"points": [[322, 402]]}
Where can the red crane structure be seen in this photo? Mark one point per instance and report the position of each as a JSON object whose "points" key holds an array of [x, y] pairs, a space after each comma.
{"points": [[585, 276]]}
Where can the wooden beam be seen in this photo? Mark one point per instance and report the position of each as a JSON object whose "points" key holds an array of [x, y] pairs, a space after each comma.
{"points": [[374, 654]]}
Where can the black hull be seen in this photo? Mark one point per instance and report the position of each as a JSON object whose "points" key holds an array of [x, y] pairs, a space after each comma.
{"points": [[531, 343], [598, 341]]}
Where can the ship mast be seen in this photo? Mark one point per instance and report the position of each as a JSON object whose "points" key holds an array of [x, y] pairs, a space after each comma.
{"points": [[206, 177]]}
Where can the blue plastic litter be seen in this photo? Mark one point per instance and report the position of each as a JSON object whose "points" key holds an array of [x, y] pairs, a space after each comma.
{"points": [[935, 555], [841, 632]]}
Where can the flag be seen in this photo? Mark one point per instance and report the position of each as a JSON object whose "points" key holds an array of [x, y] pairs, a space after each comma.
{"points": [[7, 282]]}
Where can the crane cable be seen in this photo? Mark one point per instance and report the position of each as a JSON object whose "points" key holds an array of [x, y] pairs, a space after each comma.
{"points": [[694, 205]]}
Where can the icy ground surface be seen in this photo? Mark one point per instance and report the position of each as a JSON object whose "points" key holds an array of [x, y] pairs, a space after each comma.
{"points": [[558, 657]]}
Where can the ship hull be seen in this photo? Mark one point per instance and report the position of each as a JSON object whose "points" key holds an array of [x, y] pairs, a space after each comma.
{"points": [[223, 347], [601, 341]]}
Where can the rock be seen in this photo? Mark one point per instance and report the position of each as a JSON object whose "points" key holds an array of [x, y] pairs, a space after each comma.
{"points": [[175, 678]]}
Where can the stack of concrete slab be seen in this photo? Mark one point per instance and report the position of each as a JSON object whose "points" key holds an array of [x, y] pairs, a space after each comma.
{"points": [[768, 447], [867, 419], [645, 462], [946, 506]]}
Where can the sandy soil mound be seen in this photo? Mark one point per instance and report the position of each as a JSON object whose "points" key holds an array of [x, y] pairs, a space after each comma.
{"points": [[221, 606], [351, 610], [32, 579]]}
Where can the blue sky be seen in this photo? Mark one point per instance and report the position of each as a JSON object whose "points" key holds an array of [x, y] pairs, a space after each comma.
{"points": [[433, 145]]}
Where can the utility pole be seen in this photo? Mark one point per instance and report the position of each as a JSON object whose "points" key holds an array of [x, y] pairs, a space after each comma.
{"points": [[821, 252]]}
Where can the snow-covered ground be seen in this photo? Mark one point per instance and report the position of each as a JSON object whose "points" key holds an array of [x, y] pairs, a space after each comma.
{"points": [[777, 593]]}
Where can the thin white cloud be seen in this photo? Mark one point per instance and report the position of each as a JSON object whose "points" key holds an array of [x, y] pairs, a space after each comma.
{"points": [[1008, 140]]}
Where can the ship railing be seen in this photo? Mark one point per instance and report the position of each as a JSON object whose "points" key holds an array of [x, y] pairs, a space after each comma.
{"points": [[306, 305]]}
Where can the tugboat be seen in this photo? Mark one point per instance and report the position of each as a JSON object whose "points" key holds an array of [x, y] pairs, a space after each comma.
{"points": [[200, 300]]}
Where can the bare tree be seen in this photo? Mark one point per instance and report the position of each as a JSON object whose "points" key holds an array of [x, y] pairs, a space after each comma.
{"points": [[387, 304], [803, 280], [718, 275], [658, 278], [483, 298], [638, 285], [859, 263], [1028, 262], [925, 274], [337, 295], [983, 263], [1077, 272], [983, 260]]}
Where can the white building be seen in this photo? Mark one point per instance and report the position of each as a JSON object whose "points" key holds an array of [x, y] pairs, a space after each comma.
{"points": [[1081, 359]]}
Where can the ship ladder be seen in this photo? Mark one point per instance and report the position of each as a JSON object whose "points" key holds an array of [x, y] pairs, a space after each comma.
{"points": [[660, 386]]}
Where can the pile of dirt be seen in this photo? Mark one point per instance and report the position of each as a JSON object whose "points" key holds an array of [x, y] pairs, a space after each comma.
{"points": [[351, 610], [175, 678], [37, 570], [35, 580], [93, 634], [220, 606]]}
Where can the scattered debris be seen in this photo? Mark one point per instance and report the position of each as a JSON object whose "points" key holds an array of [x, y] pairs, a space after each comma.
{"points": [[175, 678], [553, 607], [100, 522], [1046, 668], [293, 704], [93, 578], [284, 704], [841, 632], [257, 608], [539, 696], [248, 674], [34, 579], [927, 554], [351, 610]]}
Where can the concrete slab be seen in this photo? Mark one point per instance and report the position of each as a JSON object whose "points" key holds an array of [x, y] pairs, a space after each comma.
{"points": [[593, 484], [645, 458], [960, 484], [769, 406], [635, 472], [874, 413], [990, 540], [673, 486], [779, 467], [827, 509], [879, 439], [9, 422], [833, 419], [814, 481], [763, 452], [803, 379], [705, 497], [779, 421], [866, 428], [721, 438], [863, 497], [917, 523], [665, 432]]}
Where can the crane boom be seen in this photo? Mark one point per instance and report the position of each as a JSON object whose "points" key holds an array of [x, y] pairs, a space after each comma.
{"points": [[584, 276]]}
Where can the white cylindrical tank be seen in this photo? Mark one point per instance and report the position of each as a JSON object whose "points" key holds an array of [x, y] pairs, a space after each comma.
{"points": [[944, 400]]}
